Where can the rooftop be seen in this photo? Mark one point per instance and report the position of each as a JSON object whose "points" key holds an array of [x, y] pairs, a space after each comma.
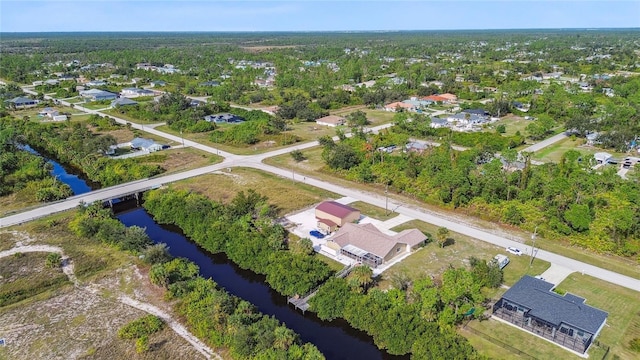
{"points": [[537, 295], [335, 208]]}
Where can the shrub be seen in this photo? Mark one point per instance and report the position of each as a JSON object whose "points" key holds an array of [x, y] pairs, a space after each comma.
{"points": [[54, 260], [635, 344], [141, 327]]}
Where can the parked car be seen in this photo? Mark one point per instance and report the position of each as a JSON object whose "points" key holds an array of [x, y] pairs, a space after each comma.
{"points": [[514, 251], [316, 233]]}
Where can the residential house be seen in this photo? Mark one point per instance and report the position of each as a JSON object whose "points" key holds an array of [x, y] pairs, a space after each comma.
{"points": [[564, 319], [135, 92], [416, 146], [451, 98], [147, 145], [592, 139], [394, 107], [225, 118], [22, 102], [155, 83], [210, 83], [602, 157], [331, 215], [368, 245], [331, 121], [123, 102], [98, 95], [94, 83], [437, 123]]}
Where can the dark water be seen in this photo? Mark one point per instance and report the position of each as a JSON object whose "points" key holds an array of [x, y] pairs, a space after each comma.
{"points": [[77, 183], [336, 339]]}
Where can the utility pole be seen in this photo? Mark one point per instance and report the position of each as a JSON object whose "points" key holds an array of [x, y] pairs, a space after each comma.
{"points": [[386, 199], [533, 246]]}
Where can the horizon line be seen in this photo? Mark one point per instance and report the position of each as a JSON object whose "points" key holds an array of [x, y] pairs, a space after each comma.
{"points": [[311, 31]]}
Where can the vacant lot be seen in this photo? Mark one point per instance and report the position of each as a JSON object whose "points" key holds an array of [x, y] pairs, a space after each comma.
{"points": [[62, 321], [287, 196], [432, 260]]}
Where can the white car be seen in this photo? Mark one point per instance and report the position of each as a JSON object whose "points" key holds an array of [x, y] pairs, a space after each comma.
{"points": [[514, 251]]}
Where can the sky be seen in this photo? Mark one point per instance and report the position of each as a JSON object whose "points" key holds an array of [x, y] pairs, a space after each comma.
{"points": [[310, 15]]}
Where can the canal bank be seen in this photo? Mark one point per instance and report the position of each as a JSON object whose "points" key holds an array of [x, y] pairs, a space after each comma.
{"points": [[335, 339]]}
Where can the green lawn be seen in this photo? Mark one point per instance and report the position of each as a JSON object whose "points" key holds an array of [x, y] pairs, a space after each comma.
{"points": [[554, 152], [622, 304], [373, 211], [433, 260], [123, 115], [512, 124]]}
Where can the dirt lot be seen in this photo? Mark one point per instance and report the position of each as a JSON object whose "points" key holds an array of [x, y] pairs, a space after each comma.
{"points": [[81, 320]]}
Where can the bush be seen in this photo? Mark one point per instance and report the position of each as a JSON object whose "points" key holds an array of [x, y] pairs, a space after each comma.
{"points": [[54, 260], [297, 155], [635, 344], [143, 326]]}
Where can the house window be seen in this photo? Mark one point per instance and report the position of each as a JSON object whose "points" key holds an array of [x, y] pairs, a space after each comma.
{"points": [[398, 250], [580, 333]]}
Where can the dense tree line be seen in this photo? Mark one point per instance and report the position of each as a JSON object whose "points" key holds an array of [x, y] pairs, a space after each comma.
{"points": [[74, 144], [246, 232], [399, 319], [22, 170]]}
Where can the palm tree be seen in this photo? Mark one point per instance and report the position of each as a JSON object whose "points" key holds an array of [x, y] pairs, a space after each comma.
{"points": [[361, 276], [283, 338]]}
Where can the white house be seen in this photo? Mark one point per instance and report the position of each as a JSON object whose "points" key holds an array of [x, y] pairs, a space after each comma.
{"points": [[331, 121]]}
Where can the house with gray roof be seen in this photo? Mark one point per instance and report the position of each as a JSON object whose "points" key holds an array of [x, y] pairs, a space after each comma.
{"points": [[225, 118], [146, 145], [563, 319], [22, 102], [123, 102], [98, 95]]}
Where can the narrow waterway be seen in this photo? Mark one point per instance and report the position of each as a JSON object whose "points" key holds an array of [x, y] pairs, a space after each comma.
{"points": [[77, 183], [336, 339]]}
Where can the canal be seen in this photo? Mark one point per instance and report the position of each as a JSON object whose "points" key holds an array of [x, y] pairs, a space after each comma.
{"points": [[335, 339], [78, 183]]}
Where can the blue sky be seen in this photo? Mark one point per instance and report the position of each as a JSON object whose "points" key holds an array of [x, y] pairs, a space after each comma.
{"points": [[308, 15]]}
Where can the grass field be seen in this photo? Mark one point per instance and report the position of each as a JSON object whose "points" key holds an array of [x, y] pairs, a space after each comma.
{"points": [[623, 306], [554, 152], [433, 260], [123, 115], [24, 275], [373, 211], [287, 196]]}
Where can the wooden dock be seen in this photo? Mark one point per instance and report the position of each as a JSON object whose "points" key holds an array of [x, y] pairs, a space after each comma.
{"points": [[302, 303]]}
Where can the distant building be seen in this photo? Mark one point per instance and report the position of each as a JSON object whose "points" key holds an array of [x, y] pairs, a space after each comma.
{"points": [[331, 121], [225, 118], [22, 102], [147, 145], [135, 92], [123, 102], [98, 95]]}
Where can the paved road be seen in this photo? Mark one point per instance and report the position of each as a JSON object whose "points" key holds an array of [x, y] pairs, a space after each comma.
{"points": [[255, 161], [417, 213], [544, 143]]}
